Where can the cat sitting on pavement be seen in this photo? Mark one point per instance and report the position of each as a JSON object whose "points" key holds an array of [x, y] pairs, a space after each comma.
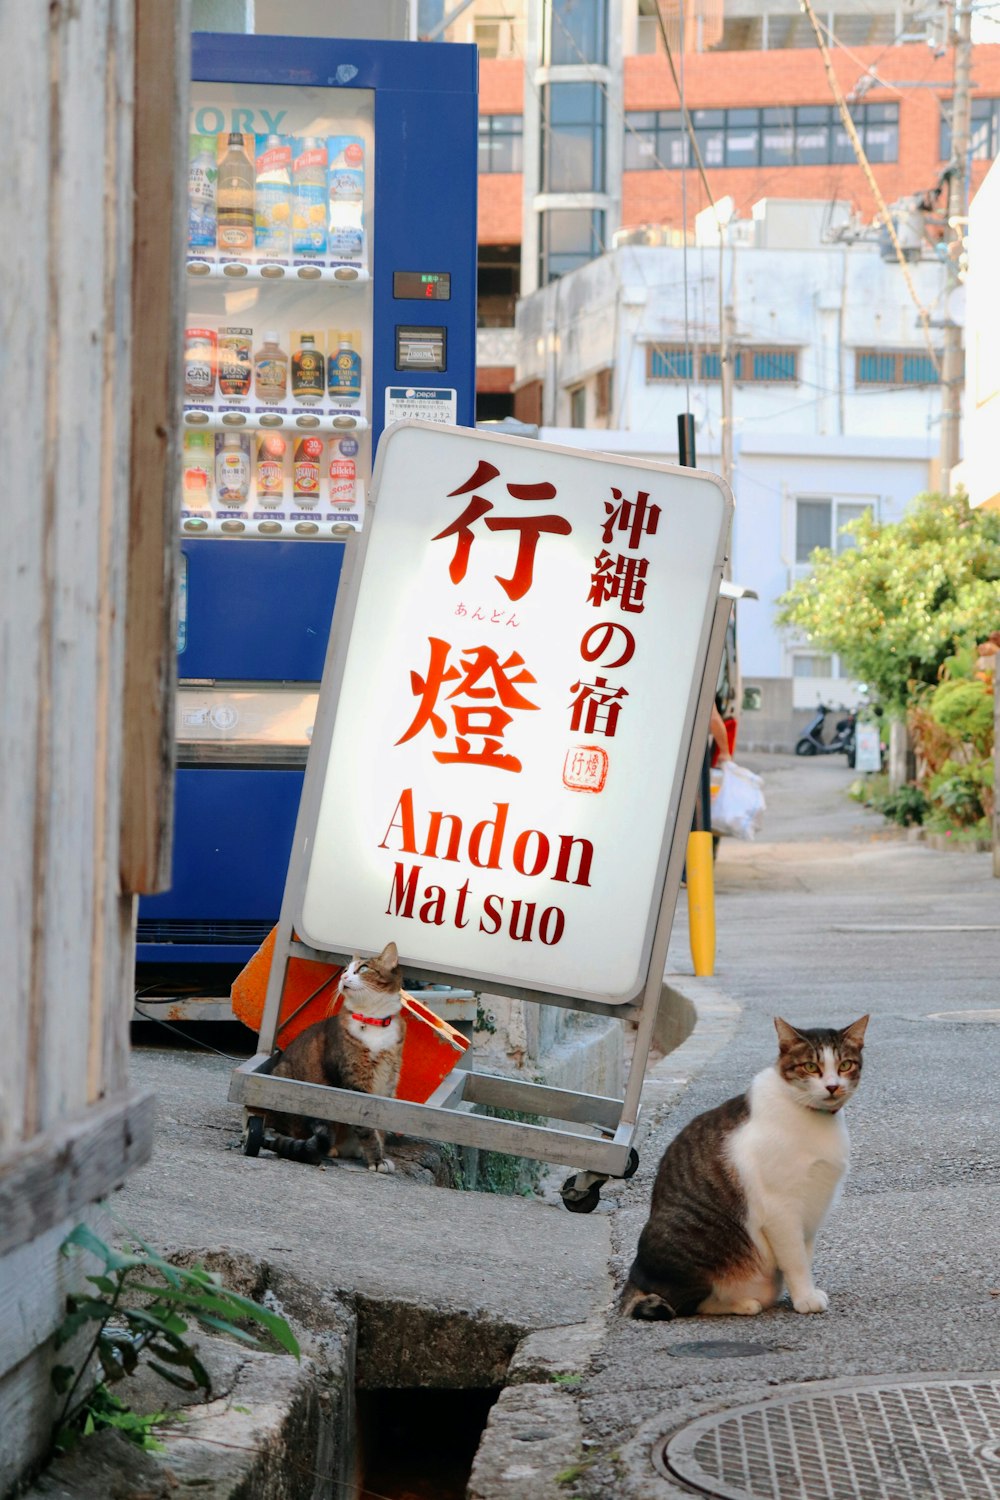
{"points": [[742, 1190], [361, 1048]]}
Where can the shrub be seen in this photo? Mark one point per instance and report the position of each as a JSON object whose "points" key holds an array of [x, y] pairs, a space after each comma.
{"points": [[906, 806]]}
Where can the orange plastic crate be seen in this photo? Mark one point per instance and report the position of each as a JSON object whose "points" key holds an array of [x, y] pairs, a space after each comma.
{"points": [[431, 1047]]}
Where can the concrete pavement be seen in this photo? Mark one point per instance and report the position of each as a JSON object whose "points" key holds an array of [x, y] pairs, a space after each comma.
{"points": [[827, 917]]}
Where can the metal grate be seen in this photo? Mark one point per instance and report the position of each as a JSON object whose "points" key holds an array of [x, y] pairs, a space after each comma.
{"points": [[191, 930], [916, 1438]]}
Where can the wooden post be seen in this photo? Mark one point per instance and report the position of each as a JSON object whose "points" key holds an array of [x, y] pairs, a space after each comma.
{"points": [[162, 72]]}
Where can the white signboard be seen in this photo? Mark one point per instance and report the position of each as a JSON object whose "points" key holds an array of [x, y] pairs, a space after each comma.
{"points": [[405, 403], [503, 732], [868, 752]]}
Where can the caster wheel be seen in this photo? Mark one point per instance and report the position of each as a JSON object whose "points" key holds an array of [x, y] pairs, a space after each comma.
{"points": [[253, 1135], [633, 1164], [586, 1204]]}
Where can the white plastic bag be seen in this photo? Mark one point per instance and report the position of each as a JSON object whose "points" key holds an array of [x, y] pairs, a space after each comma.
{"points": [[737, 801]]}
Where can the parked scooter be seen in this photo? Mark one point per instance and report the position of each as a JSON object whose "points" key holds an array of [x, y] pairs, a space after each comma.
{"points": [[811, 741]]}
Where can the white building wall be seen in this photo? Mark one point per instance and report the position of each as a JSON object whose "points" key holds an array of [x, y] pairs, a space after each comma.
{"points": [[980, 473], [822, 437]]}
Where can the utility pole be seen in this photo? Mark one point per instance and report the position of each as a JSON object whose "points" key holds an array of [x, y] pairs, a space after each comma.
{"points": [[958, 213], [727, 355]]}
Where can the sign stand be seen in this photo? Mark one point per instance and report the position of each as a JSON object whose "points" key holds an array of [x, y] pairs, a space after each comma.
{"points": [[589, 1132]]}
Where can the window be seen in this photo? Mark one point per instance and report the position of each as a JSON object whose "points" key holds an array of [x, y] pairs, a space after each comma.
{"points": [[573, 142], [889, 367], [578, 31], [570, 237], [811, 664], [761, 364], [578, 406], [984, 129], [802, 135], [819, 523], [497, 286], [500, 143]]}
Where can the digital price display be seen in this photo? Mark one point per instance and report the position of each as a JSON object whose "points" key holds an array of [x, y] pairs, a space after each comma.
{"points": [[422, 286]]}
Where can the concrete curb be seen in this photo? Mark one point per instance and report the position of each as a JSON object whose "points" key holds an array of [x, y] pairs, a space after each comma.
{"points": [[540, 1398]]}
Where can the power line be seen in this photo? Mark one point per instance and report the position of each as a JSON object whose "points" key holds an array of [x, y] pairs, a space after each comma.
{"points": [[863, 162]]}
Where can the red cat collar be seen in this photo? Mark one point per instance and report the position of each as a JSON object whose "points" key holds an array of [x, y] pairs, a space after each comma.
{"points": [[372, 1020]]}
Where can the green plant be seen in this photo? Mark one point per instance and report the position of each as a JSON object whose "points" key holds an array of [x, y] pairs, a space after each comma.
{"points": [[897, 603], [965, 709], [126, 1330], [907, 805]]}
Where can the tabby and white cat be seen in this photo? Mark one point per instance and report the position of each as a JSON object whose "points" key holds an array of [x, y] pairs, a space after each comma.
{"points": [[361, 1047], [742, 1190]]}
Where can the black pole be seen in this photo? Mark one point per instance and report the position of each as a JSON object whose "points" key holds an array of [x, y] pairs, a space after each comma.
{"points": [[685, 441], [686, 458]]}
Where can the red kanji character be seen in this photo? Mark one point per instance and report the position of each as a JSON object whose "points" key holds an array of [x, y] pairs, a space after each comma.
{"points": [[598, 638], [530, 530], [461, 610], [594, 705], [621, 578], [513, 620], [477, 614], [482, 720], [462, 528], [634, 517], [497, 617]]}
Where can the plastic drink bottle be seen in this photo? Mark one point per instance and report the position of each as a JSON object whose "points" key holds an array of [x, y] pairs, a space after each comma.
{"points": [[203, 173], [270, 370], [344, 372], [309, 198], [271, 447], [307, 370], [273, 202], [232, 470], [346, 185], [305, 470], [234, 198], [196, 482], [343, 470]]}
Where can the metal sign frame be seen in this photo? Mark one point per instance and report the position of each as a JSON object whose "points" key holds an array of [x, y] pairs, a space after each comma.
{"points": [[449, 1114]]}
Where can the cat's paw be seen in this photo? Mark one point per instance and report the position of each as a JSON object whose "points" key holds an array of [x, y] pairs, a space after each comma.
{"points": [[385, 1165], [746, 1307], [813, 1301]]}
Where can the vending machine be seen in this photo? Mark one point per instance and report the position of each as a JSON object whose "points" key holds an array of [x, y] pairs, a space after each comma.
{"points": [[331, 290]]}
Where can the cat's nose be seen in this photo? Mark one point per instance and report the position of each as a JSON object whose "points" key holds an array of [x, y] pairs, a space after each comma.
{"points": [[833, 1088]]}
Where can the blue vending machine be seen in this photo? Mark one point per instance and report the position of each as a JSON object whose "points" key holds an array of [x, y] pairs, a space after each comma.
{"points": [[331, 290]]}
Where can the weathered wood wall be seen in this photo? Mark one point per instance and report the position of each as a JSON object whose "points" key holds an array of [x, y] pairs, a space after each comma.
{"points": [[70, 365]]}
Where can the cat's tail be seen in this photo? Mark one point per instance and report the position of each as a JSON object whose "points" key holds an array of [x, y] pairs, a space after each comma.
{"points": [[310, 1149], [640, 1298]]}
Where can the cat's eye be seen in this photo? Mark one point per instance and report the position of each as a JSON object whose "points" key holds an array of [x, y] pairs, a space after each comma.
{"points": [[810, 1067], [847, 1066]]}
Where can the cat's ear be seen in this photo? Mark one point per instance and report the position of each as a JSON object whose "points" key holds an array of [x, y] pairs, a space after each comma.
{"points": [[856, 1031], [388, 958], [787, 1035]]}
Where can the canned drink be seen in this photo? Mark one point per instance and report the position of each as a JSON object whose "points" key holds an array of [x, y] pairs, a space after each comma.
{"points": [[235, 361], [200, 360]]}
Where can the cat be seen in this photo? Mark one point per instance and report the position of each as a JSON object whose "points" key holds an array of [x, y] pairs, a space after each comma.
{"points": [[741, 1192], [361, 1047]]}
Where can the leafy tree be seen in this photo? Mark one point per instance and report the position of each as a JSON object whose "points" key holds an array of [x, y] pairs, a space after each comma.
{"points": [[894, 605]]}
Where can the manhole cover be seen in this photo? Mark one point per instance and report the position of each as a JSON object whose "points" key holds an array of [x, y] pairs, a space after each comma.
{"points": [[903, 1439], [981, 1017]]}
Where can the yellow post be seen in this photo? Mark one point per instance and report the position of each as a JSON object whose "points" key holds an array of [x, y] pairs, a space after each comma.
{"points": [[701, 903]]}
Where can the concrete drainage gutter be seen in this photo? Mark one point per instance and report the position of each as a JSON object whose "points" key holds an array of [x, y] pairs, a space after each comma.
{"points": [[278, 1429]]}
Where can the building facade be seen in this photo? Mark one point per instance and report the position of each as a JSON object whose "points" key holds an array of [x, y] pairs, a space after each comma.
{"points": [[834, 405], [581, 133]]}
